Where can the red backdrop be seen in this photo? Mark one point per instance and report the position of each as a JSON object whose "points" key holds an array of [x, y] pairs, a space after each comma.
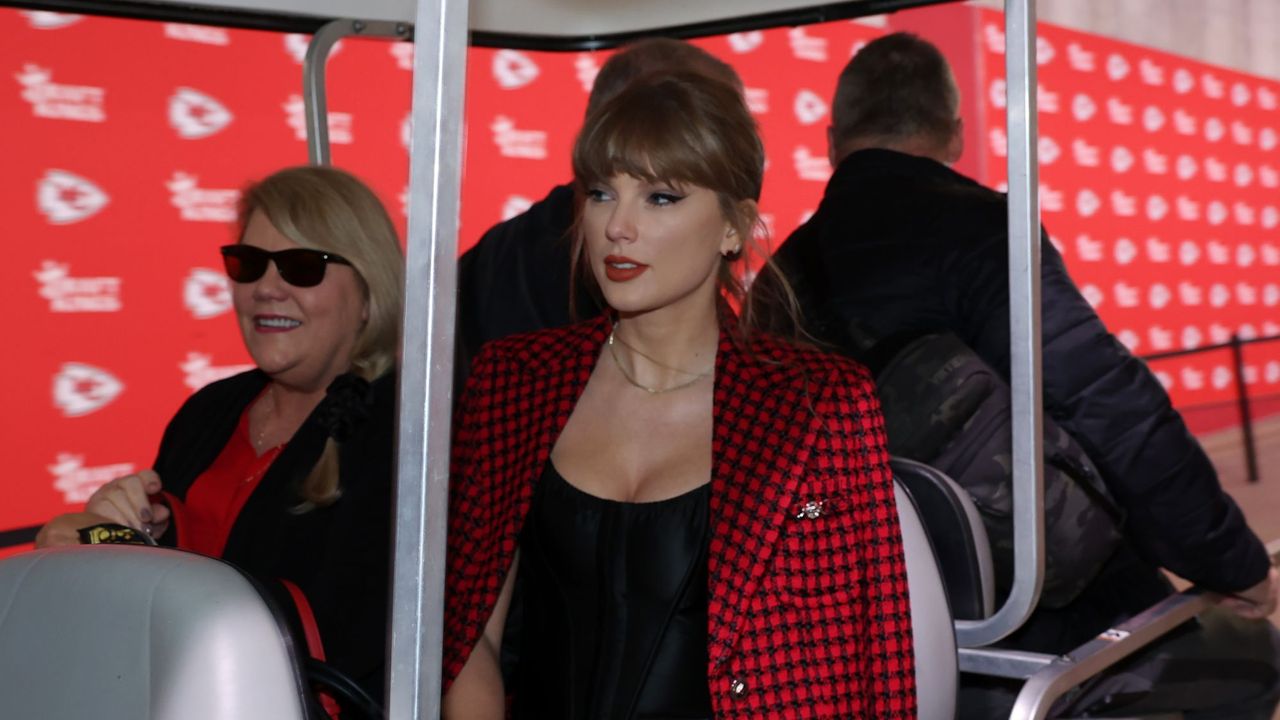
{"points": [[126, 143]]}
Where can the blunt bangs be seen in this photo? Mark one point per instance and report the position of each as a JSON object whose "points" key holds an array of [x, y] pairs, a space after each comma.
{"points": [[675, 129]]}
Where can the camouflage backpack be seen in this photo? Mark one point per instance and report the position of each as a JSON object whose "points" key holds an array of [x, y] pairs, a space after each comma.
{"points": [[944, 406]]}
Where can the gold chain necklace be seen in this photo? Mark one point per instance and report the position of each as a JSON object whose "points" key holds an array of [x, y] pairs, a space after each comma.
{"points": [[270, 403], [613, 352]]}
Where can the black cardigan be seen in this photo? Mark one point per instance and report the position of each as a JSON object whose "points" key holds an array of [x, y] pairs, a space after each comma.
{"points": [[903, 245], [339, 555]]}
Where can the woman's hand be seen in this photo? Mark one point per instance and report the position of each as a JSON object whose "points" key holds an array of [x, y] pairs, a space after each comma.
{"points": [[65, 529], [126, 501]]}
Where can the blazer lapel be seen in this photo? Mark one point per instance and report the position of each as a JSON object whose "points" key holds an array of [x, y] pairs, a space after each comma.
{"points": [[763, 428]]}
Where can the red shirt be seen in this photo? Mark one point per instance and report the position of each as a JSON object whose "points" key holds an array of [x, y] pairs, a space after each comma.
{"points": [[214, 500]]}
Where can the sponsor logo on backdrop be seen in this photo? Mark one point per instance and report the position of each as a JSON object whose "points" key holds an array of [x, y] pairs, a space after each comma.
{"points": [[1270, 217], [203, 34], [513, 142], [757, 100], [340, 123], [1220, 377], [195, 115], [1160, 338], [515, 205], [1088, 249], [1219, 333], [586, 69], [1218, 253], [1050, 199], [1244, 213], [1188, 209], [1240, 94], [1211, 86], [1119, 112], [1271, 296], [1117, 66], [1123, 204], [295, 44], [1270, 329], [1045, 52], [1272, 372], [1183, 122], [1092, 295], [1080, 59], [1158, 251], [513, 69], [1246, 294], [406, 130], [1268, 176], [1046, 100], [65, 198], [1187, 167], [1085, 155], [1165, 379], [1215, 169], [998, 93], [1267, 100], [206, 293], [1155, 162], [994, 38], [1192, 378], [1125, 251], [1241, 134], [83, 103], [1270, 254], [1188, 253], [77, 482], [1083, 107], [745, 42], [809, 107], [1151, 73], [1190, 294], [80, 389], [197, 204], [810, 165], [199, 370], [67, 294], [805, 46], [45, 20], [403, 54]]}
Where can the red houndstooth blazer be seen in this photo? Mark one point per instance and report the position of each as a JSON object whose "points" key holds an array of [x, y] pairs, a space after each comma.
{"points": [[808, 615]]}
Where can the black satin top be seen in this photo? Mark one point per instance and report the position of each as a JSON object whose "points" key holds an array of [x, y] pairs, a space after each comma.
{"points": [[613, 598]]}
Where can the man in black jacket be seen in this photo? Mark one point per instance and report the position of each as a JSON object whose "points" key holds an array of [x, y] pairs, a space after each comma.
{"points": [[903, 246], [516, 278]]}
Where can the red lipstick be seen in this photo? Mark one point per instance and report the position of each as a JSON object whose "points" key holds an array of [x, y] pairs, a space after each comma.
{"points": [[620, 268]]}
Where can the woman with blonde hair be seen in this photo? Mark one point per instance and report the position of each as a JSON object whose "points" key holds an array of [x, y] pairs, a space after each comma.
{"points": [[689, 517], [286, 470]]}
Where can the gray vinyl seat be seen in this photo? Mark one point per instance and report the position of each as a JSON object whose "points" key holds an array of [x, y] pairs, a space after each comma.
{"points": [[140, 633], [925, 496]]}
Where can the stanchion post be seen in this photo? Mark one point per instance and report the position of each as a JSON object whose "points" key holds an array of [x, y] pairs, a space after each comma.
{"points": [[1246, 416]]}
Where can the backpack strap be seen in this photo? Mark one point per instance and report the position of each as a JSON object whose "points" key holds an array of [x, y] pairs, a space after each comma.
{"points": [[311, 631]]}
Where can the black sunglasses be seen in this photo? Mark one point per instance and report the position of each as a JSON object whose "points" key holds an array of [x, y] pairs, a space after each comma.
{"points": [[300, 267]]}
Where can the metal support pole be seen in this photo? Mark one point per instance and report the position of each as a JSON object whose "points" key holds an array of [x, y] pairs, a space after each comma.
{"points": [[1024, 335], [315, 101], [1246, 415], [426, 368]]}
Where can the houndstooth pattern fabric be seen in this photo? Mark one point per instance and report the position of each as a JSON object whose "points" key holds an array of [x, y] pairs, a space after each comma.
{"points": [[809, 614]]}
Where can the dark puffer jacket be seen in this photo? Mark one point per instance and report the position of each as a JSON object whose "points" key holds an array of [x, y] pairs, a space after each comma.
{"points": [[904, 246]]}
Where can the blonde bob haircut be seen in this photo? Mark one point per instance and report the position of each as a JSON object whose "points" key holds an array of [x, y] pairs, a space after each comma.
{"points": [[328, 209], [679, 128]]}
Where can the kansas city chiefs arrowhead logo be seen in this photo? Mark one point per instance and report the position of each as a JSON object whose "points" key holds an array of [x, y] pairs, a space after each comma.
{"points": [[809, 107], [80, 389], [65, 198], [196, 115], [206, 293], [513, 69]]}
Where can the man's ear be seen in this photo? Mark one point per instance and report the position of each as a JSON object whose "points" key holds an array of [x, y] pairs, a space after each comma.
{"points": [[955, 146]]}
